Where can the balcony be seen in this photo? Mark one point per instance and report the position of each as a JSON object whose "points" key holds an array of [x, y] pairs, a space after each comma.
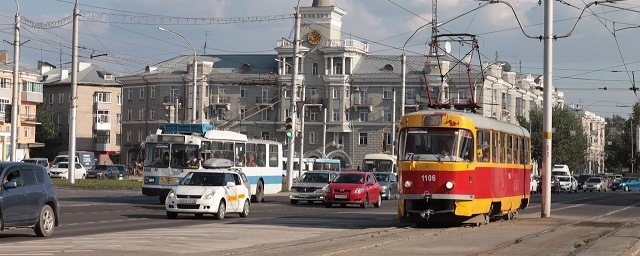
{"points": [[170, 99], [360, 102], [31, 96], [102, 146], [314, 101], [264, 102], [348, 45], [29, 119], [220, 102], [102, 123]]}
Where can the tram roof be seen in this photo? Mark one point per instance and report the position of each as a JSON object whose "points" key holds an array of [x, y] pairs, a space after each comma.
{"points": [[481, 122]]}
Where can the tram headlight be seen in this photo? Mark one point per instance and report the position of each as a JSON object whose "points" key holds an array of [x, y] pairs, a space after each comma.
{"points": [[408, 184], [172, 194], [449, 184]]}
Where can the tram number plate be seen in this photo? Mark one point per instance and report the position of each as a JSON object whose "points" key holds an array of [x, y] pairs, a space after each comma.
{"points": [[341, 196], [431, 177], [188, 201]]}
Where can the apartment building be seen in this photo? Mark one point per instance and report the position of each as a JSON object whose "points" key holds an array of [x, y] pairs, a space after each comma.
{"points": [[98, 111], [30, 94], [359, 93]]}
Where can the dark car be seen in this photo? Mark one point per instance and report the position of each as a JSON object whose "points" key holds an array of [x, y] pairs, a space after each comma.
{"points": [[353, 188], [28, 199], [104, 172], [123, 169], [388, 184], [582, 179]]}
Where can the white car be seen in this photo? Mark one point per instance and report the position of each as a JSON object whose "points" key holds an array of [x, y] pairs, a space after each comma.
{"points": [[61, 170], [216, 192]]}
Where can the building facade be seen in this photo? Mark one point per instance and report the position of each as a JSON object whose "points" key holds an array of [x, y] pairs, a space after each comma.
{"points": [[349, 99], [98, 112]]}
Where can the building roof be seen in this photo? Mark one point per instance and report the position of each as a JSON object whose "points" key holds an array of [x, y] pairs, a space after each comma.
{"points": [[89, 74], [222, 64], [375, 64]]}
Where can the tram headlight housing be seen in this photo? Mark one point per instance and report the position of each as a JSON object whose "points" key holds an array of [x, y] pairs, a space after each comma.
{"points": [[408, 184], [449, 184], [172, 194]]}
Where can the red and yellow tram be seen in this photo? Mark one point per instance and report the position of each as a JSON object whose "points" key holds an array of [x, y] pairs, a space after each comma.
{"points": [[461, 167]]}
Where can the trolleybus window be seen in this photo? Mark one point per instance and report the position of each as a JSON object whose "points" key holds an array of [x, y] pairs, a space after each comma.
{"points": [[157, 155], [183, 155], [273, 155]]}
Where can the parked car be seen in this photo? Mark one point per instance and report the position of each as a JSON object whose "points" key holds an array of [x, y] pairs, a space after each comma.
{"points": [[123, 169], [212, 191], [563, 183], [353, 188], [309, 186], [582, 179], [103, 172], [61, 170], [626, 184], [28, 199], [596, 183], [388, 184]]}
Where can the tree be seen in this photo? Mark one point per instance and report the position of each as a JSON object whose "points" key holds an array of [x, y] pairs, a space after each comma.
{"points": [[47, 132], [569, 142]]}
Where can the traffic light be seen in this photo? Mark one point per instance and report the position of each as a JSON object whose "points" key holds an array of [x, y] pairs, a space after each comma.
{"points": [[289, 128]]}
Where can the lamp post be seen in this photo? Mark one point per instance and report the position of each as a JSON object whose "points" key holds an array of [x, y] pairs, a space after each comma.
{"points": [[15, 102], [195, 72]]}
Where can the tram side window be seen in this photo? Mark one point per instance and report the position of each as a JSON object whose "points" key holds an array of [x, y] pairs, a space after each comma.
{"points": [[527, 151], [510, 152], [483, 152], [516, 149], [466, 145], [273, 155], [495, 148]]}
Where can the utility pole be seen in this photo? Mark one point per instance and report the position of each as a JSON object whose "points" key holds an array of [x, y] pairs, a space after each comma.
{"points": [[73, 108], [292, 105], [15, 101], [547, 109], [301, 113], [393, 126]]}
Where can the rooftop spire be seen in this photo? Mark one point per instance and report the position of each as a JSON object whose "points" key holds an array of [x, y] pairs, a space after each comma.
{"points": [[318, 3]]}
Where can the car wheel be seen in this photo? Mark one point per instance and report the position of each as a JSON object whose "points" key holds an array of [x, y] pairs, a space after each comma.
{"points": [[377, 204], [366, 202], [626, 188], [294, 201], [222, 208], [245, 209], [199, 215], [172, 215], [259, 197], [46, 222], [328, 205]]}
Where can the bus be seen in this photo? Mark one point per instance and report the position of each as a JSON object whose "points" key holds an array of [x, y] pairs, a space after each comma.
{"points": [[380, 162], [167, 159], [461, 167], [259, 160]]}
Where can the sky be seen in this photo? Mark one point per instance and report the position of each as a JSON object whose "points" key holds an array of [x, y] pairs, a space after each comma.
{"points": [[123, 35]]}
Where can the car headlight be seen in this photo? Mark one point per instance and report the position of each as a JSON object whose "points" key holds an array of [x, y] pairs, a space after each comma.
{"points": [[172, 194], [319, 190], [408, 184], [208, 195], [359, 190], [449, 184], [384, 188]]}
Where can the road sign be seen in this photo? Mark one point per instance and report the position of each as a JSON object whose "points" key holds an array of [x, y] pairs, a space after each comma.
{"points": [[632, 160]]}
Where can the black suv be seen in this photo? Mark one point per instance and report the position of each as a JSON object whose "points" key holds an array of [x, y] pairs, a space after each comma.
{"points": [[28, 199]]}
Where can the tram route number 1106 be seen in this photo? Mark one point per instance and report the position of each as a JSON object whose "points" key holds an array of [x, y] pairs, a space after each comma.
{"points": [[428, 177]]}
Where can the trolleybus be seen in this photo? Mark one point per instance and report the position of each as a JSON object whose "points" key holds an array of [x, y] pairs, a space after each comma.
{"points": [[379, 162], [461, 167]]}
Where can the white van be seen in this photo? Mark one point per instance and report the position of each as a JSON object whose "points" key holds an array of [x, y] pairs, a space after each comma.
{"points": [[560, 169]]}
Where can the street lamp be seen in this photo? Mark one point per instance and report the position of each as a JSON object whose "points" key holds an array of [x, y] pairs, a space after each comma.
{"points": [[195, 72]]}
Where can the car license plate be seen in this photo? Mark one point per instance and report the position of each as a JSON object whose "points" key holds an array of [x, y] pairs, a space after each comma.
{"points": [[341, 196], [188, 201]]}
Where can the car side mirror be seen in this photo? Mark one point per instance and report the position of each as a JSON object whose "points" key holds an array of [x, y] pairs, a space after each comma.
{"points": [[231, 184], [10, 184]]}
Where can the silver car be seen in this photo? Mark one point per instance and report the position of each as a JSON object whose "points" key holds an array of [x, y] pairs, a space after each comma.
{"points": [[596, 183], [309, 186], [388, 184]]}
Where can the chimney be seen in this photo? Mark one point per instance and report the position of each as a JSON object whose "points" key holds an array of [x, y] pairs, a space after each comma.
{"points": [[64, 73], [4, 58]]}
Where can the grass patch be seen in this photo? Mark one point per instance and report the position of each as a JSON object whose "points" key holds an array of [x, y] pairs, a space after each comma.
{"points": [[99, 184]]}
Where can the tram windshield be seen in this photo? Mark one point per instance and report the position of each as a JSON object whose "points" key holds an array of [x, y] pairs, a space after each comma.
{"points": [[436, 144]]}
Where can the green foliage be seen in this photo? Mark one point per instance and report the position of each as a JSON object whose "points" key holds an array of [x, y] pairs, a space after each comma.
{"points": [[567, 147], [47, 132], [99, 184], [617, 132]]}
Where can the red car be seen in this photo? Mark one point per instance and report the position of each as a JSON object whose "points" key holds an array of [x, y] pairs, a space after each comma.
{"points": [[353, 188]]}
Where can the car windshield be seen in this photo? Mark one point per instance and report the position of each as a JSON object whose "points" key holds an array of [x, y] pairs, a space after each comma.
{"points": [[101, 167], [349, 178], [564, 178], [594, 180], [382, 177], [625, 179], [62, 165], [315, 177], [31, 161], [203, 179]]}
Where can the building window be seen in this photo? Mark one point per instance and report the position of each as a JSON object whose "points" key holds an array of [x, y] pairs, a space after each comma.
{"points": [[152, 92], [314, 92], [314, 68], [129, 114], [152, 114], [102, 116], [243, 113], [119, 98], [335, 115], [363, 138], [59, 117], [119, 118], [313, 138], [313, 116], [103, 97], [118, 139], [364, 116], [265, 115], [347, 115], [27, 132], [411, 94], [102, 137], [265, 135], [142, 93], [140, 114], [5, 83], [51, 98], [60, 98], [387, 93], [3, 105], [140, 135], [128, 136], [220, 115], [387, 139], [387, 116], [129, 94], [27, 111], [244, 93], [336, 93], [337, 138]]}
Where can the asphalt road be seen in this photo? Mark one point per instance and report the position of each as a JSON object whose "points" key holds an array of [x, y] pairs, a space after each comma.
{"points": [[128, 223]]}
